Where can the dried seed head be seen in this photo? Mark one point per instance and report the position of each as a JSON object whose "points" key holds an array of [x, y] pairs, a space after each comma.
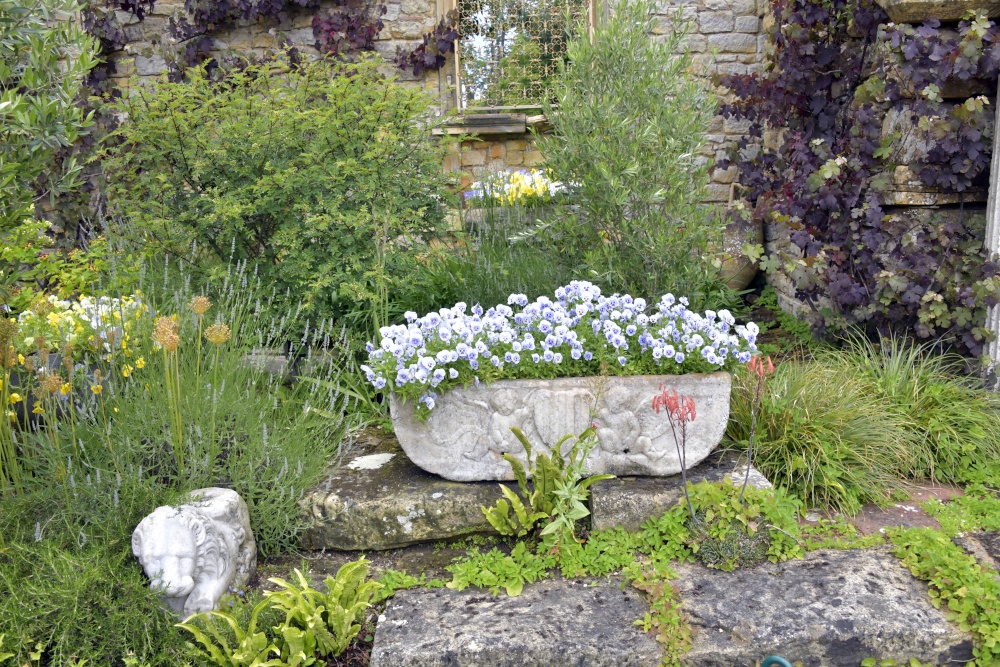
{"points": [[9, 357], [8, 330], [51, 383], [218, 333], [200, 305], [165, 333]]}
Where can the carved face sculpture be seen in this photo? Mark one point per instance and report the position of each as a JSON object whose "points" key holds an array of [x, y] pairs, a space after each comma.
{"points": [[503, 401], [167, 546]]}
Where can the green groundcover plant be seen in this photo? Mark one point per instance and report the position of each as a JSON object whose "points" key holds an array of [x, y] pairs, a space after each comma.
{"points": [[580, 333]]}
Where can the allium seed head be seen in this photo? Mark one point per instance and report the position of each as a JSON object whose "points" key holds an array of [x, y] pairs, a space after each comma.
{"points": [[218, 333], [199, 305]]}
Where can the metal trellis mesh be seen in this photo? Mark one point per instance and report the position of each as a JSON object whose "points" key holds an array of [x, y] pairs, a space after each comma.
{"points": [[510, 49]]}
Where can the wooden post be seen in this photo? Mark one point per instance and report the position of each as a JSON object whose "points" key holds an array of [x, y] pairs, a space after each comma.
{"points": [[993, 246]]}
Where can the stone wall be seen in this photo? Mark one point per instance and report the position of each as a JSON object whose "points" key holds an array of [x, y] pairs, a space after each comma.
{"points": [[150, 46], [726, 37]]}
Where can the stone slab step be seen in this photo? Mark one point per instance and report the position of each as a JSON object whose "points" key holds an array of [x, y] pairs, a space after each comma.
{"points": [[833, 608], [554, 623], [380, 500], [629, 501]]}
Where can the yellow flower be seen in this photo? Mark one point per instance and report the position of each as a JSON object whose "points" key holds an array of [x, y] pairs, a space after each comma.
{"points": [[140, 362], [20, 359], [65, 389], [115, 409], [38, 410], [15, 398], [126, 370], [96, 388]]}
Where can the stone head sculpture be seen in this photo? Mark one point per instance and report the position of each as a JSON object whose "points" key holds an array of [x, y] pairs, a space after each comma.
{"points": [[194, 552]]}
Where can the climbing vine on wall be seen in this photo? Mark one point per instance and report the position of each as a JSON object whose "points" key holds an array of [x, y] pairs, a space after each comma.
{"points": [[838, 69], [433, 52]]}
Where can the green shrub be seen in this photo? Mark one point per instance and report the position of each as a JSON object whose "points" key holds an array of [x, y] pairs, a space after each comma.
{"points": [[630, 122], [852, 425], [45, 56], [325, 175], [560, 487], [484, 268], [250, 648]]}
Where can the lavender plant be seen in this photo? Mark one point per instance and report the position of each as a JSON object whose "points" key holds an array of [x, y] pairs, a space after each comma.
{"points": [[581, 332]]}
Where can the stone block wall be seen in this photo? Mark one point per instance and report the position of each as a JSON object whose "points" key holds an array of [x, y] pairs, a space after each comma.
{"points": [[150, 44]]}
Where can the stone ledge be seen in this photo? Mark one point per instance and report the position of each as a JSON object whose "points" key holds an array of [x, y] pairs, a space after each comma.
{"points": [[629, 501], [380, 500], [832, 608], [916, 11], [554, 623]]}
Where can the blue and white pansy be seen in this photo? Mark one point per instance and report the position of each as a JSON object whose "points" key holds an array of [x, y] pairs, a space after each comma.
{"points": [[580, 332]]}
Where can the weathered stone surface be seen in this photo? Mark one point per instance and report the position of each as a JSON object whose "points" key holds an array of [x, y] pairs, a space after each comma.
{"points": [[916, 11], [984, 546], [380, 500], [629, 501], [468, 431], [194, 552], [832, 608], [554, 623]]}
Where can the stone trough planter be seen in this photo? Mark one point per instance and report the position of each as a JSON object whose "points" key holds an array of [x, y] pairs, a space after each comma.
{"points": [[468, 432]]}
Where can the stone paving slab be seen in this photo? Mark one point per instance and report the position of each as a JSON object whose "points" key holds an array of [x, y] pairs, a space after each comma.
{"points": [[985, 546], [831, 608], [380, 500], [554, 623], [629, 501]]}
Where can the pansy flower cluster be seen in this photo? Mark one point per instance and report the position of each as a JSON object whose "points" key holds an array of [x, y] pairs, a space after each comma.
{"points": [[520, 187], [580, 332]]}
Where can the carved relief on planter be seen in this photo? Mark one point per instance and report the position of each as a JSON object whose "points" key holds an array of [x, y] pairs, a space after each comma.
{"points": [[468, 431]]}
